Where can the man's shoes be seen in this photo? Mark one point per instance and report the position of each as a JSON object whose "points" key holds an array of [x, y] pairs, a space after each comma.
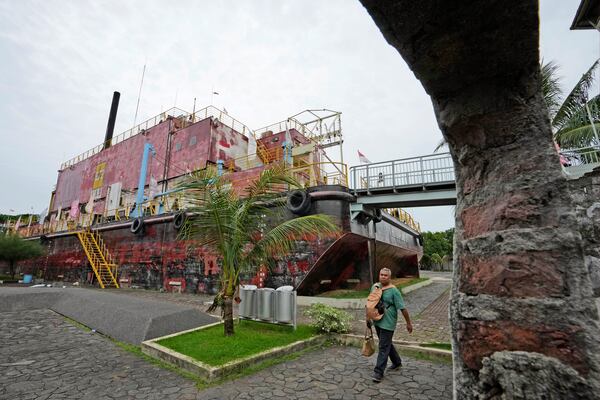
{"points": [[377, 378], [395, 367]]}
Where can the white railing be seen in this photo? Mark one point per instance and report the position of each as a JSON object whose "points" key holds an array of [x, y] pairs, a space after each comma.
{"points": [[282, 126], [231, 122], [577, 162], [407, 172], [581, 156]]}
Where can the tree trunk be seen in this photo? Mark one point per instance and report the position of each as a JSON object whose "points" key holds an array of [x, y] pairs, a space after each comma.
{"points": [[524, 323], [228, 315], [11, 268]]}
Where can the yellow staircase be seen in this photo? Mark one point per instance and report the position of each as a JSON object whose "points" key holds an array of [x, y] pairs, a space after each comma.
{"points": [[100, 259]]}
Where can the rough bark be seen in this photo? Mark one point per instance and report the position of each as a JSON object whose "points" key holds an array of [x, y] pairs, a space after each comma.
{"points": [[228, 315], [522, 309]]}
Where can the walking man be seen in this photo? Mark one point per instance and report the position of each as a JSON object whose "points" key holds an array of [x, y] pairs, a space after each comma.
{"points": [[385, 327]]}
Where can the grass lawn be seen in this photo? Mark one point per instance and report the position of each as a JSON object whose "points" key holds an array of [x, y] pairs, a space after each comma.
{"points": [[362, 294], [442, 346], [211, 347]]}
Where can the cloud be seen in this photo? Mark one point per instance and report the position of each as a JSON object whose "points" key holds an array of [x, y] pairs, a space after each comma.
{"points": [[267, 59]]}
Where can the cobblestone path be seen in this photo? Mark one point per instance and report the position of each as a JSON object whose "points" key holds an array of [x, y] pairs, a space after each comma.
{"points": [[431, 325], [44, 357], [340, 373], [428, 309]]}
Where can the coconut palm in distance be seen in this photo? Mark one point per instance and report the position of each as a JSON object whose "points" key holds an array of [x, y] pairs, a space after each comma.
{"points": [[573, 118], [236, 227]]}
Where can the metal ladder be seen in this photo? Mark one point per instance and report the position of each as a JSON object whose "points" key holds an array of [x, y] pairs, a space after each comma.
{"points": [[100, 259]]}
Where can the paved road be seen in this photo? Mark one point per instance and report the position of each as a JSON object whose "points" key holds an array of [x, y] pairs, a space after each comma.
{"points": [[44, 357]]}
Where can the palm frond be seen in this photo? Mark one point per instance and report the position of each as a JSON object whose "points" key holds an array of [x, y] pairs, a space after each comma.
{"points": [[551, 90], [440, 145], [281, 239], [579, 137], [577, 130], [271, 181], [238, 228], [576, 99]]}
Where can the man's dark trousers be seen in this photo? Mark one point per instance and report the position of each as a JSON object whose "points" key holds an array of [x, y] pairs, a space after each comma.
{"points": [[386, 349]]}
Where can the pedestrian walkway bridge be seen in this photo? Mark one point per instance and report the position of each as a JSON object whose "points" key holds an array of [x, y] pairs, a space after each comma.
{"points": [[430, 181]]}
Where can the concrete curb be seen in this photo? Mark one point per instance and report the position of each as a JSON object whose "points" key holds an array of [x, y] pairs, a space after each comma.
{"points": [[211, 373], [352, 304], [416, 286], [357, 341]]}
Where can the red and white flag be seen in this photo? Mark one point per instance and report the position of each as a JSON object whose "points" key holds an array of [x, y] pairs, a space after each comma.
{"points": [[362, 158]]}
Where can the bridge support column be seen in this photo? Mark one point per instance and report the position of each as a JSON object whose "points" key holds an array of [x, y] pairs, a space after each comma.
{"points": [[524, 322]]}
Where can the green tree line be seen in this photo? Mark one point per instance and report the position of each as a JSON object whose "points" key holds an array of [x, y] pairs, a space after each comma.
{"points": [[437, 247]]}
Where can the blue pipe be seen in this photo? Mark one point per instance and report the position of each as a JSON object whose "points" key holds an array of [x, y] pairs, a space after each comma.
{"points": [[139, 199]]}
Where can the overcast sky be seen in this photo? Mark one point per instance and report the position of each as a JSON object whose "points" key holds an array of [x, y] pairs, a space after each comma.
{"points": [[62, 60]]}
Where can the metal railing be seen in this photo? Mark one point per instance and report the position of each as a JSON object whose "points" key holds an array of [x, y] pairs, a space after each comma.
{"points": [[185, 119], [404, 217], [143, 126], [163, 204], [407, 172], [282, 126], [321, 173], [223, 117], [581, 156], [317, 125]]}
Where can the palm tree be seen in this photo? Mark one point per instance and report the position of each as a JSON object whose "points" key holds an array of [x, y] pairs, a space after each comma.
{"points": [[237, 227], [575, 119]]}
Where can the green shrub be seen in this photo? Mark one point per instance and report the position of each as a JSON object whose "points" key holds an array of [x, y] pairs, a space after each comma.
{"points": [[328, 319]]}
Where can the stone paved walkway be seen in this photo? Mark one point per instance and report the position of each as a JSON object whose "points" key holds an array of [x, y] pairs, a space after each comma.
{"points": [[428, 307], [44, 357], [431, 325], [340, 373]]}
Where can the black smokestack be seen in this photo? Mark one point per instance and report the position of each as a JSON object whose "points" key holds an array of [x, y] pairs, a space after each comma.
{"points": [[110, 128]]}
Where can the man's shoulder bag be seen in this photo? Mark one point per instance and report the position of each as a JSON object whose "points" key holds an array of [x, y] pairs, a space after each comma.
{"points": [[368, 347]]}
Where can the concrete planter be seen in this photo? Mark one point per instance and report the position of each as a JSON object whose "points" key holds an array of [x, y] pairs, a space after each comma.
{"points": [[211, 373]]}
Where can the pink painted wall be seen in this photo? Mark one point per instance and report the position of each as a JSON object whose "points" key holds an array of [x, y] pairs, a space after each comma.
{"points": [[191, 148], [122, 165], [227, 143]]}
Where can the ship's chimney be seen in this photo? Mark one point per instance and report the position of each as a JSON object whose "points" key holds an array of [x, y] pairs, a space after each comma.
{"points": [[110, 127]]}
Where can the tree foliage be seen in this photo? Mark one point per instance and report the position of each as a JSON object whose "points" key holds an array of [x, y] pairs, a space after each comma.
{"points": [[236, 227], [570, 116], [13, 248], [437, 247]]}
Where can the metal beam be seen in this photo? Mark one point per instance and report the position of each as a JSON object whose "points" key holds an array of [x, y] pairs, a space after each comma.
{"points": [[414, 199]]}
